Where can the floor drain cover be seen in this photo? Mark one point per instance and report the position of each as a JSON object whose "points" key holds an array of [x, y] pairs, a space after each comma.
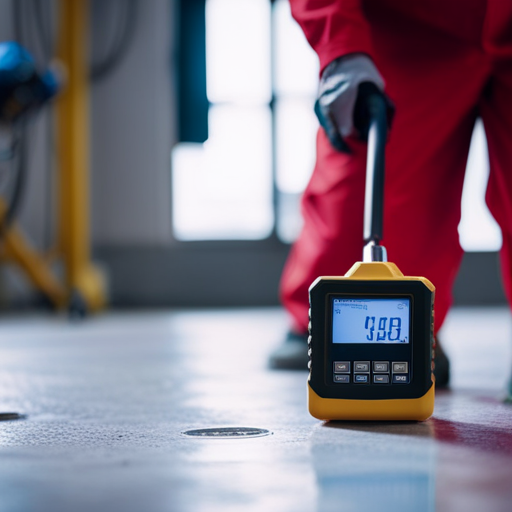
{"points": [[9, 416], [227, 432]]}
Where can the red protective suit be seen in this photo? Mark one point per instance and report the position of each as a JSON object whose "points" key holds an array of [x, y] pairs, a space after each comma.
{"points": [[445, 62]]}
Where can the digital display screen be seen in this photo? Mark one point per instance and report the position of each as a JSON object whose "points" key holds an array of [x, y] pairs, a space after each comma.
{"points": [[370, 320]]}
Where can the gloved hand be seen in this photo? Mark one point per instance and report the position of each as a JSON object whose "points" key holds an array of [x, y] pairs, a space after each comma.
{"points": [[338, 93]]}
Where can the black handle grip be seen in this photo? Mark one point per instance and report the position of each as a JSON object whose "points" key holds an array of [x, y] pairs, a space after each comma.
{"points": [[377, 110]]}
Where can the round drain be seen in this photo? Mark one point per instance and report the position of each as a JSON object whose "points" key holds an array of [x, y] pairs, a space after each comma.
{"points": [[227, 432], [10, 416]]}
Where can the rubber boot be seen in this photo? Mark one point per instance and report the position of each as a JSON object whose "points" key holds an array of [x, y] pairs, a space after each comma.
{"points": [[442, 367], [292, 354]]}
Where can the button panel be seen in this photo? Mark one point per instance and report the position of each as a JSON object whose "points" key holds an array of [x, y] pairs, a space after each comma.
{"points": [[381, 367], [362, 366], [342, 367], [401, 367], [400, 379], [371, 372]]}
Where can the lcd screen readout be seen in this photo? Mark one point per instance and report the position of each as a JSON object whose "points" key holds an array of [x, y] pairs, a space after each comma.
{"points": [[370, 320]]}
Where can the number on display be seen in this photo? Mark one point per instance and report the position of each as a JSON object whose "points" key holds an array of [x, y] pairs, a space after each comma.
{"points": [[388, 329]]}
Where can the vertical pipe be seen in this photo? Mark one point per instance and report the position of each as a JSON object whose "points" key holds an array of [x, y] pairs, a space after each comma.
{"points": [[72, 114]]}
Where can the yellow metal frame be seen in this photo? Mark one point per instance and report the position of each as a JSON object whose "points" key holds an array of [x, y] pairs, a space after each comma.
{"points": [[73, 151], [17, 248], [73, 245]]}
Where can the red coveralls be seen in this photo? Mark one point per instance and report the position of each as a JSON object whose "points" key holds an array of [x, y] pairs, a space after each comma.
{"points": [[445, 62]]}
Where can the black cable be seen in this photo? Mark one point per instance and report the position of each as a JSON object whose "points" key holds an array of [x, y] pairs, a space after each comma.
{"points": [[45, 31], [121, 41], [49, 220], [8, 154], [18, 183], [20, 140], [33, 12], [21, 15], [44, 28], [17, 20]]}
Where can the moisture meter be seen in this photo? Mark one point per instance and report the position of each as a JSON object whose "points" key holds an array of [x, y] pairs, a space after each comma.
{"points": [[371, 331]]}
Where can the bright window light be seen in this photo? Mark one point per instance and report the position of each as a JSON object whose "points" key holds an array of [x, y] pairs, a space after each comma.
{"points": [[238, 51], [223, 188], [296, 81], [296, 128], [296, 64], [478, 231]]}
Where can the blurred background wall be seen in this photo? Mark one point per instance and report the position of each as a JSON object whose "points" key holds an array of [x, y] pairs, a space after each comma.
{"points": [[201, 141]]}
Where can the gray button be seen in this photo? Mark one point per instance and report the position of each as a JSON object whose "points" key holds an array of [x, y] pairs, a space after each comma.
{"points": [[381, 366], [400, 367], [381, 379], [344, 379], [342, 367], [400, 379], [361, 366], [361, 378]]}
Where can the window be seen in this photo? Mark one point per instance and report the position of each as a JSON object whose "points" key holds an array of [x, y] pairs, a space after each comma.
{"points": [[223, 188], [478, 231], [227, 188]]}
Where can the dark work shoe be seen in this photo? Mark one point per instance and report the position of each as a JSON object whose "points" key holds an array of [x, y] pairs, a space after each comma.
{"points": [[292, 354], [442, 367], [508, 396]]}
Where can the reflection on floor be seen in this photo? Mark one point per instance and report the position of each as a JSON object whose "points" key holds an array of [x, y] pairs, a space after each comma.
{"points": [[107, 400]]}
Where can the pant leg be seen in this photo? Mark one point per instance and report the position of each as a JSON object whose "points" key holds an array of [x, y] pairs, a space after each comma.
{"points": [[496, 111], [436, 82], [331, 238]]}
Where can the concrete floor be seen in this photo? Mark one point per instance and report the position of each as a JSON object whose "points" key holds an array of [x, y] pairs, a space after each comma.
{"points": [[107, 401]]}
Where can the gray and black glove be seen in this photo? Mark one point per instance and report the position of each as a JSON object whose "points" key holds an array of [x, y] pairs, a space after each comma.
{"points": [[343, 88]]}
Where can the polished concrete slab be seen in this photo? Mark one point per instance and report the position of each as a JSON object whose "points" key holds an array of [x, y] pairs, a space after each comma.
{"points": [[107, 401]]}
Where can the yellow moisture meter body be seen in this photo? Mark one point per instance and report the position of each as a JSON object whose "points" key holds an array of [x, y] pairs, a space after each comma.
{"points": [[370, 345], [371, 332]]}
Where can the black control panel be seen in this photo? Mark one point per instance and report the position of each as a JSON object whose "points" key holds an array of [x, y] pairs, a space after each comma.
{"points": [[371, 372]]}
